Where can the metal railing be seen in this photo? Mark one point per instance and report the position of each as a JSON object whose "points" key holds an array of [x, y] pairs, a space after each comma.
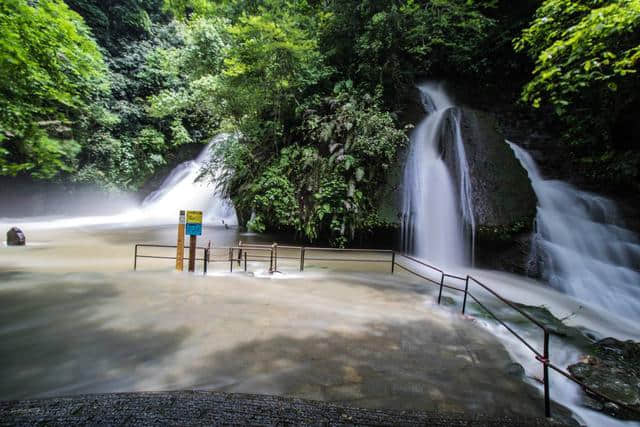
{"points": [[541, 356], [243, 253], [136, 255]]}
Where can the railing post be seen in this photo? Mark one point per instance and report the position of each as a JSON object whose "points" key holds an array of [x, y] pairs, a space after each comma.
{"points": [[302, 250], [230, 260], [271, 261], [135, 258], [441, 285], [466, 291], [275, 257], [547, 398], [393, 261], [245, 261], [205, 261]]}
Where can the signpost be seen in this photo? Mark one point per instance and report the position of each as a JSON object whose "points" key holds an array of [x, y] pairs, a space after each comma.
{"points": [[180, 246], [193, 229]]}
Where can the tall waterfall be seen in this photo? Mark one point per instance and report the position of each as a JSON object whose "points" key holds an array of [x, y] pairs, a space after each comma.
{"points": [[438, 222], [182, 190], [582, 247]]}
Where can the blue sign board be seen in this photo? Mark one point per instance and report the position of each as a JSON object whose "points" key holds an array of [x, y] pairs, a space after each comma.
{"points": [[193, 229]]}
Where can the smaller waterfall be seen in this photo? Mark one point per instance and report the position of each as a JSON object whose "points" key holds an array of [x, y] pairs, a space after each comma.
{"points": [[182, 190], [583, 249], [438, 222]]}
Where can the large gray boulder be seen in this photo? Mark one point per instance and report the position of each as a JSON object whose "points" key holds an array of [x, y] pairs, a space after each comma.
{"points": [[15, 237], [501, 191]]}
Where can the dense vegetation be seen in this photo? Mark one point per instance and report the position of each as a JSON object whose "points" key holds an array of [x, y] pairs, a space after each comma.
{"points": [[312, 93]]}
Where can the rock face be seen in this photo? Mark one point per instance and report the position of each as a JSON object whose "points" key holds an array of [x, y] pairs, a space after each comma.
{"points": [[613, 369], [504, 202], [501, 190], [15, 237]]}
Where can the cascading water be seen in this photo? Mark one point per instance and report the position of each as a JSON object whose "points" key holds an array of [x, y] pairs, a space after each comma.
{"points": [[583, 249], [182, 189], [438, 222]]}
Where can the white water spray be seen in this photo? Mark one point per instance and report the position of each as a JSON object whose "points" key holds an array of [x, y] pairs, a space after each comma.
{"points": [[180, 190], [438, 222], [583, 249]]}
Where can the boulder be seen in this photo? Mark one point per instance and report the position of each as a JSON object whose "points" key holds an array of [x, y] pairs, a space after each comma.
{"points": [[612, 368], [15, 237], [501, 191]]}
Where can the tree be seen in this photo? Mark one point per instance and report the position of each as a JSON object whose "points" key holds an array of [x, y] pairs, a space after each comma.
{"points": [[587, 57], [50, 71]]}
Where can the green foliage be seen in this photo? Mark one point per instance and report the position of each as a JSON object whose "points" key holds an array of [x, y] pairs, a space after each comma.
{"points": [[327, 185], [581, 46], [587, 57], [118, 23], [270, 64], [392, 43], [50, 69]]}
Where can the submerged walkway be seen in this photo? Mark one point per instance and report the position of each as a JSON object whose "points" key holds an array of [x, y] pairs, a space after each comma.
{"points": [[211, 408], [359, 340]]}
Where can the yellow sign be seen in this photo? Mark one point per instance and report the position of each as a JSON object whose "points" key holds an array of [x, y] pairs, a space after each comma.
{"points": [[194, 217]]}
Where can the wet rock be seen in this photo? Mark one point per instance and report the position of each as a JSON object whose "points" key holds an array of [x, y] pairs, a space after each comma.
{"points": [[503, 198], [578, 337], [15, 237], [612, 368], [447, 301], [515, 370]]}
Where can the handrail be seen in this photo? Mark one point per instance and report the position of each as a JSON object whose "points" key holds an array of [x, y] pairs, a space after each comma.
{"points": [[243, 249], [510, 304], [205, 258]]}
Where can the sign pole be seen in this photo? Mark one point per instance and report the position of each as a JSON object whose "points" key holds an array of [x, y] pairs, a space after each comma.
{"points": [[192, 253], [193, 228], [180, 246]]}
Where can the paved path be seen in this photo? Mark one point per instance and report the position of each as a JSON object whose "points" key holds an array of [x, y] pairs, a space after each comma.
{"points": [[209, 408]]}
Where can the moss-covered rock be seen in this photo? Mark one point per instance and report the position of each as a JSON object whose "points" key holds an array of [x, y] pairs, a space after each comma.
{"points": [[501, 191], [611, 367]]}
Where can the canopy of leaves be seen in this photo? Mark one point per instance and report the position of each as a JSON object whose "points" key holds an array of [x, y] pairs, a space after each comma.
{"points": [[50, 70], [587, 57]]}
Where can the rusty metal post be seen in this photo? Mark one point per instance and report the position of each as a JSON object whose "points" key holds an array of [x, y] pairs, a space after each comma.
{"points": [[441, 285], [239, 252], [135, 258], [271, 261], [275, 257], [547, 398], [302, 250], [245, 261], [393, 261], [230, 260], [192, 253], [466, 291], [205, 261]]}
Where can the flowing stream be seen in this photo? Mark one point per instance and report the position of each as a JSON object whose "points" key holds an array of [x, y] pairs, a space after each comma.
{"points": [[438, 222], [582, 247]]}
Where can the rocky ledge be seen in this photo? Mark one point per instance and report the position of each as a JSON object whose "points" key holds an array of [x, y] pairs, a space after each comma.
{"points": [[611, 367]]}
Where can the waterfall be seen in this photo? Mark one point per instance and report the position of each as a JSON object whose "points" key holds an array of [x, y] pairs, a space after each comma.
{"points": [[182, 190], [581, 245], [438, 222]]}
